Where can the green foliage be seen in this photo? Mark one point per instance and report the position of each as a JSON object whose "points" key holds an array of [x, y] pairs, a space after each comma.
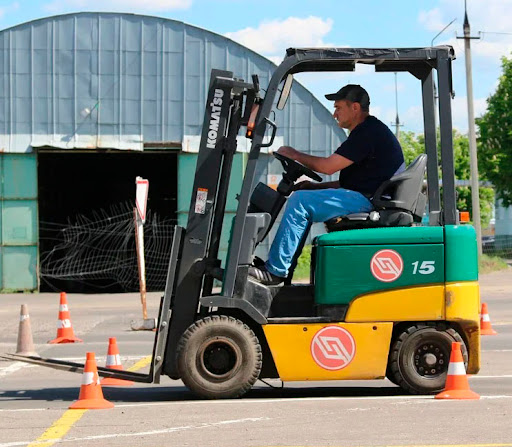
{"points": [[495, 141], [414, 145], [303, 264]]}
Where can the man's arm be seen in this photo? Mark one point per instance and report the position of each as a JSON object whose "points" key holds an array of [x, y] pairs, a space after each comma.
{"points": [[325, 165], [314, 185]]}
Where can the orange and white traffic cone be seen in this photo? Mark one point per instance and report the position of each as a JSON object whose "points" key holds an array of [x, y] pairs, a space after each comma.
{"points": [[91, 395], [65, 332], [114, 362], [457, 386], [485, 322]]}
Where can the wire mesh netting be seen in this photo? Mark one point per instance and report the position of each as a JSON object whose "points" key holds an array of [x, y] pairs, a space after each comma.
{"points": [[100, 248]]}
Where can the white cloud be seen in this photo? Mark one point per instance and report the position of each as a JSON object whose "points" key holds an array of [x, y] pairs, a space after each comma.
{"points": [[490, 17], [413, 117], [391, 87], [460, 111], [117, 5], [8, 9], [271, 38], [433, 20]]}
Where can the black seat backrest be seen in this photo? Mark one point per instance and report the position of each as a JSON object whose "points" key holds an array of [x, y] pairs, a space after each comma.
{"points": [[403, 190]]}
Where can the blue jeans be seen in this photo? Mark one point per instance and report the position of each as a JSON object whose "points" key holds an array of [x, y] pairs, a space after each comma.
{"points": [[305, 207]]}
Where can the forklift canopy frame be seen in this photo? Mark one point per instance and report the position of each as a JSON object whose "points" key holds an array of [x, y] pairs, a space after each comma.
{"points": [[420, 62]]}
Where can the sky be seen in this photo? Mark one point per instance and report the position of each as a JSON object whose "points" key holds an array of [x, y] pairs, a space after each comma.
{"points": [[270, 26]]}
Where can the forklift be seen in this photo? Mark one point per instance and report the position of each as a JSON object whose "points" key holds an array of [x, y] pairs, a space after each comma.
{"points": [[387, 295]]}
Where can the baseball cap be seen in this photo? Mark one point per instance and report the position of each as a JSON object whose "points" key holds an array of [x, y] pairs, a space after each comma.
{"points": [[352, 93]]}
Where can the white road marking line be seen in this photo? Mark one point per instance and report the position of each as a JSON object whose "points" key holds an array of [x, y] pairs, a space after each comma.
{"points": [[144, 433], [12, 368], [505, 376], [265, 401], [16, 366], [23, 409], [496, 350]]}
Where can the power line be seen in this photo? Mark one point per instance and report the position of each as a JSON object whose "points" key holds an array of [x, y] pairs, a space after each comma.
{"points": [[494, 32]]}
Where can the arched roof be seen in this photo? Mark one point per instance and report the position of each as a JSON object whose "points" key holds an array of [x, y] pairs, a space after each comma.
{"points": [[115, 80]]}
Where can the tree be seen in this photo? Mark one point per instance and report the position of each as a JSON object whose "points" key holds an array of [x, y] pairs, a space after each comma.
{"points": [[413, 145], [495, 140]]}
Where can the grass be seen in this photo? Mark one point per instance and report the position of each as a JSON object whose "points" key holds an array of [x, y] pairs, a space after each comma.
{"points": [[487, 264], [302, 269]]}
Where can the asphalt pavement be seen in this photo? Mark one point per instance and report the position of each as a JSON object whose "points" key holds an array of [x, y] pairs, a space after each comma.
{"points": [[34, 400]]}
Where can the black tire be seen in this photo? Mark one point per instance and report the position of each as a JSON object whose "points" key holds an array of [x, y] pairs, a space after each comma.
{"points": [[219, 357], [420, 356]]}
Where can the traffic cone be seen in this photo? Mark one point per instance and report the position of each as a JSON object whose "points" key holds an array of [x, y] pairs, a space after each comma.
{"points": [[91, 395], [25, 344], [114, 362], [65, 332], [485, 322], [457, 386]]}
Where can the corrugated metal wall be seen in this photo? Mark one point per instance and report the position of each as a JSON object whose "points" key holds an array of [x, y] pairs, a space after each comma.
{"points": [[18, 222], [117, 81]]}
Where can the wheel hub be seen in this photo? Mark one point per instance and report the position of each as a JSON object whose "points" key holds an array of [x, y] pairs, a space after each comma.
{"points": [[430, 360], [219, 358]]}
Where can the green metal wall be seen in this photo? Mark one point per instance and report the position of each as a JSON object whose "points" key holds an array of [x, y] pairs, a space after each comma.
{"points": [[186, 169], [18, 222]]}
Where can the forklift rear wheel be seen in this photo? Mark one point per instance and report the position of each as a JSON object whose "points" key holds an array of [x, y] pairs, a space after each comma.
{"points": [[219, 357], [420, 356]]}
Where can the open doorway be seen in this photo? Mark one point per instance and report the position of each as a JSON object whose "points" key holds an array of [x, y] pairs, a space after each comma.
{"points": [[86, 240]]}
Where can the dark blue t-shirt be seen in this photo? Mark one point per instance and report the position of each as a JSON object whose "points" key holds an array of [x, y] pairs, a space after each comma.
{"points": [[376, 154]]}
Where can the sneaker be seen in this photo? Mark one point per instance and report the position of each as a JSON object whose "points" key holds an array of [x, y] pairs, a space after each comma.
{"points": [[262, 275]]}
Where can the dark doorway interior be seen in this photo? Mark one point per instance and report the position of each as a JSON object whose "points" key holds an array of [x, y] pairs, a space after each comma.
{"points": [[96, 191]]}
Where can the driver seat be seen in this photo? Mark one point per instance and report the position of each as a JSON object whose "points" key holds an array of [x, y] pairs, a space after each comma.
{"points": [[398, 202]]}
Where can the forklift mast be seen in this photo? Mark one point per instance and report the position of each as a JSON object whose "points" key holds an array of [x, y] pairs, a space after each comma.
{"points": [[228, 106]]}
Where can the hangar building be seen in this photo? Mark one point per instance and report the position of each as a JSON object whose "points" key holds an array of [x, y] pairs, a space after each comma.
{"points": [[89, 101]]}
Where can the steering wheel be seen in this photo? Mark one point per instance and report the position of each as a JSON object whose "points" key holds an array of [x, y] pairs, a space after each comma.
{"points": [[294, 169]]}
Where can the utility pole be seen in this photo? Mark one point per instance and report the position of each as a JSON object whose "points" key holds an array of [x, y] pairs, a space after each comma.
{"points": [[473, 159], [397, 119]]}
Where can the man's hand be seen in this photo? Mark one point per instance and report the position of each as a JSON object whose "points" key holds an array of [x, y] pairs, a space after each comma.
{"points": [[288, 151], [306, 184]]}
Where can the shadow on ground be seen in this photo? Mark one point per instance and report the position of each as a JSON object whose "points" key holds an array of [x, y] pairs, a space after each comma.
{"points": [[181, 393]]}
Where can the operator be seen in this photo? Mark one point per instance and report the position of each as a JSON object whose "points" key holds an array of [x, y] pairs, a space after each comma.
{"points": [[369, 156]]}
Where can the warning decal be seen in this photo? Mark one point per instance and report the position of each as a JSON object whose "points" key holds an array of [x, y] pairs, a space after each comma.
{"points": [[201, 197], [333, 348], [387, 265]]}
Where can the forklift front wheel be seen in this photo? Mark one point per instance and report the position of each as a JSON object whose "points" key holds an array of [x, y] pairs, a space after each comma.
{"points": [[420, 356], [219, 357]]}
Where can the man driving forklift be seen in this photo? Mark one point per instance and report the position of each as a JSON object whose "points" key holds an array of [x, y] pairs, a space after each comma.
{"points": [[369, 156]]}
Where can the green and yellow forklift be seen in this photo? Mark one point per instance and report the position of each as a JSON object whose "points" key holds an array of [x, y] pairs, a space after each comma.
{"points": [[387, 296]]}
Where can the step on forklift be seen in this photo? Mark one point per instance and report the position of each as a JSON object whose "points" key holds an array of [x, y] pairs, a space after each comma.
{"points": [[388, 295]]}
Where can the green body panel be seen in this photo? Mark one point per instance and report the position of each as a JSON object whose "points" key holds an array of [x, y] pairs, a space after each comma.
{"points": [[461, 253], [344, 272], [395, 235]]}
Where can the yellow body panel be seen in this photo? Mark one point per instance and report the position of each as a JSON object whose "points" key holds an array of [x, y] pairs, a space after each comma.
{"points": [[293, 347], [463, 301], [409, 304], [463, 308]]}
